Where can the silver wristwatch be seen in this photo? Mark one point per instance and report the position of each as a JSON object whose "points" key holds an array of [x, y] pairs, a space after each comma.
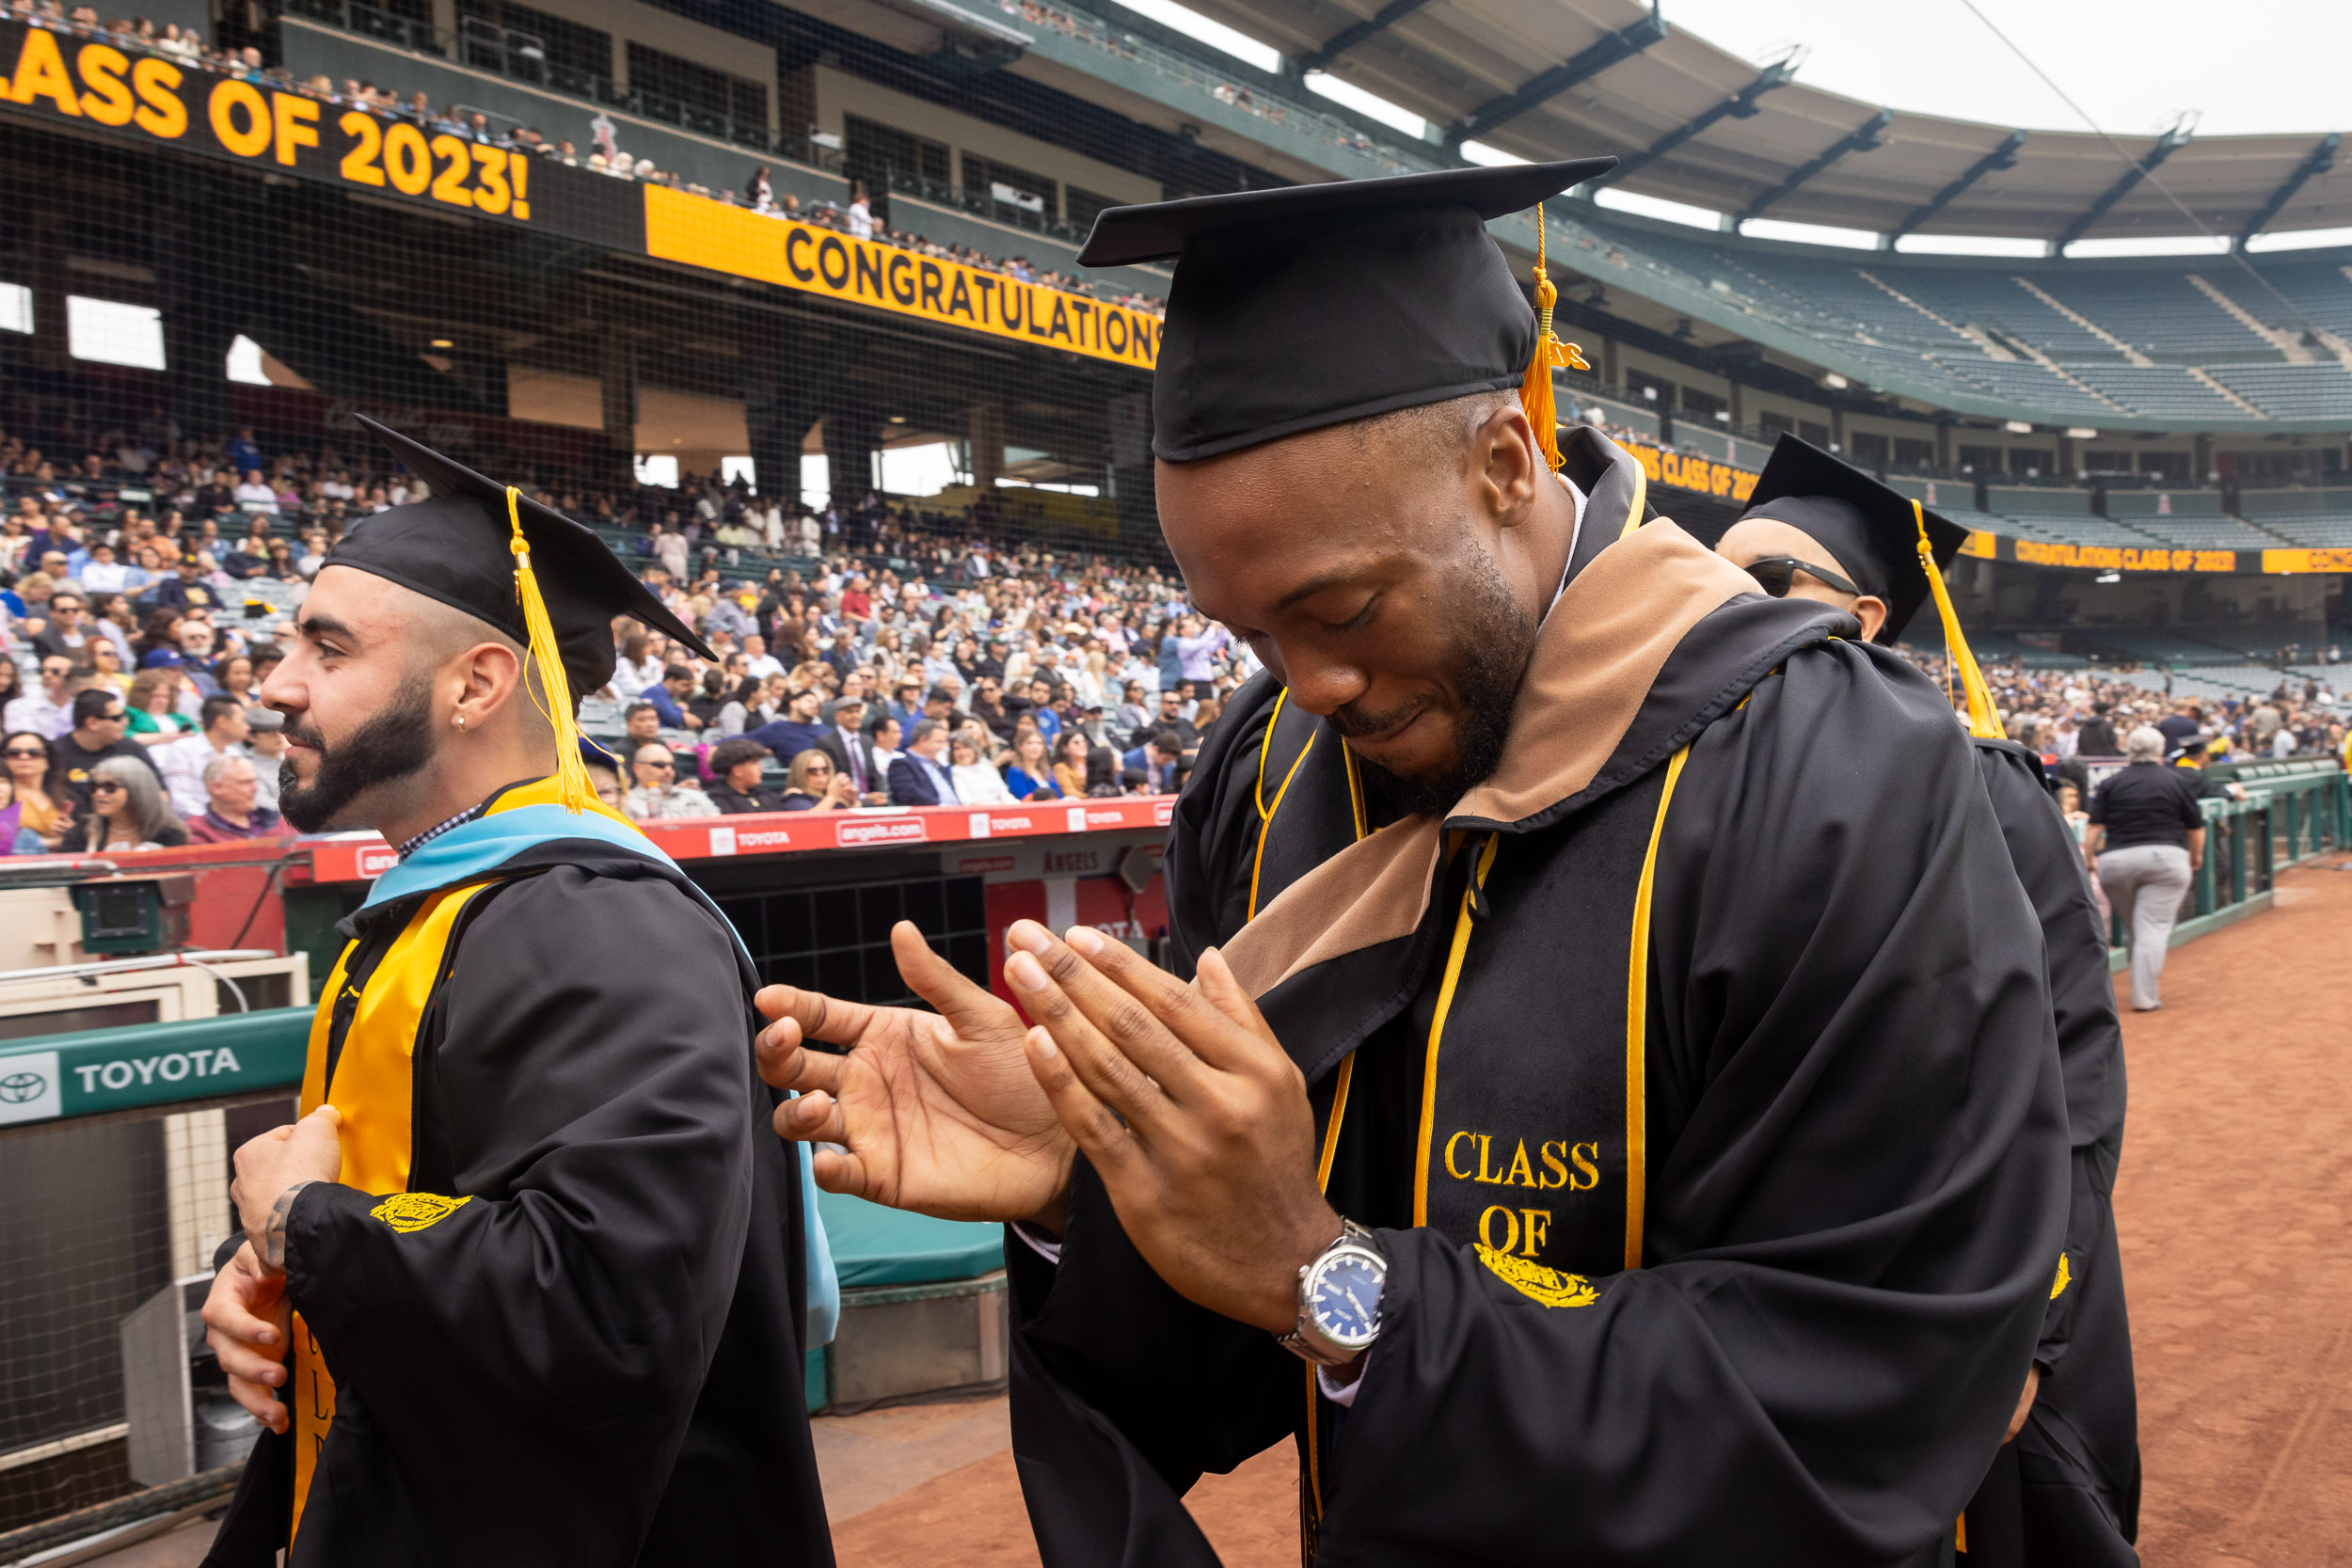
{"points": [[1339, 1300]]}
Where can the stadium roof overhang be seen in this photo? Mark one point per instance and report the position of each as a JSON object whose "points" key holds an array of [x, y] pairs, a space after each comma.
{"points": [[1566, 78]]}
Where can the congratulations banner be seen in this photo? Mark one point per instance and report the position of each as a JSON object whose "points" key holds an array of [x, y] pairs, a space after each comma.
{"points": [[795, 255]]}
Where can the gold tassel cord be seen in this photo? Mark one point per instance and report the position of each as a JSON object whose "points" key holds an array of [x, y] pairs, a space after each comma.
{"points": [[573, 791], [1984, 719], [1536, 395]]}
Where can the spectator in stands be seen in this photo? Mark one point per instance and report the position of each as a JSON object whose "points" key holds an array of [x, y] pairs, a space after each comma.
{"points": [[102, 573], [127, 812], [183, 762], [1132, 718], [187, 588], [40, 813], [47, 710], [976, 782], [1029, 771], [798, 731], [95, 738], [844, 741], [152, 714], [708, 703], [658, 796], [920, 777], [812, 784], [1073, 761], [268, 745], [233, 810], [69, 630], [734, 770], [1171, 720], [670, 697], [886, 733], [243, 452], [641, 723], [988, 707], [1158, 757], [609, 786], [2179, 726], [906, 702], [2147, 838], [1196, 646]]}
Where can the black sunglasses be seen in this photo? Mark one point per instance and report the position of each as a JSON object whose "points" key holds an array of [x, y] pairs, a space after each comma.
{"points": [[1777, 574], [104, 786], [27, 751]]}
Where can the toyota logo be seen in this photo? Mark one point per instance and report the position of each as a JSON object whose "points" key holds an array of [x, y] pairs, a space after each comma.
{"points": [[22, 1088]]}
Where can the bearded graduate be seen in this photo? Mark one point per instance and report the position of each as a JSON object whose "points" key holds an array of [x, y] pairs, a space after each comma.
{"points": [[2064, 1491], [1614, 1118], [527, 1282]]}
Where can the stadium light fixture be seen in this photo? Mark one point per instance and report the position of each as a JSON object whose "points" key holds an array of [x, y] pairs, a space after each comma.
{"points": [[443, 342], [1658, 207], [1835, 382], [2109, 576], [2018, 427], [2081, 432]]}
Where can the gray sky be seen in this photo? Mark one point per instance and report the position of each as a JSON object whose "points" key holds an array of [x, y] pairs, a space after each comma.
{"points": [[2250, 66]]}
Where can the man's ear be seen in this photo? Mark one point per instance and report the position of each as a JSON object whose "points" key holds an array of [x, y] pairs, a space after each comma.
{"points": [[1509, 459], [488, 680], [1872, 611]]}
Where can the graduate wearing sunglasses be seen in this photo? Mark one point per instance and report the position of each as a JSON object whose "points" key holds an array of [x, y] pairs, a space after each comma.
{"points": [[2065, 1488]]}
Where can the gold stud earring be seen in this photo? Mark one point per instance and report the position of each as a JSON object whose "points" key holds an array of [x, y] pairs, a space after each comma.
{"points": [[458, 719]]}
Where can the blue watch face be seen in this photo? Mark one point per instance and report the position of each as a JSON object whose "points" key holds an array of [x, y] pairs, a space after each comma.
{"points": [[1346, 1298]]}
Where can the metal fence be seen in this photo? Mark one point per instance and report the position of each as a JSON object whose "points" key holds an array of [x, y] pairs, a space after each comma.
{"points": [[2293, 812]]}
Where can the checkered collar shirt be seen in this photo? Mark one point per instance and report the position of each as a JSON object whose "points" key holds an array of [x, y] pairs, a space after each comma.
{"points": [[411, 846]]}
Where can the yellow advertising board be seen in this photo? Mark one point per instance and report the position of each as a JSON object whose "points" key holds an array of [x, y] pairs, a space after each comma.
{"points": [[795, 255]]}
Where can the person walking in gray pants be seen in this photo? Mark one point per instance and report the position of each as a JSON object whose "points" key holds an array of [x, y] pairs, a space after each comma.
{"points": [[2148, 833]]}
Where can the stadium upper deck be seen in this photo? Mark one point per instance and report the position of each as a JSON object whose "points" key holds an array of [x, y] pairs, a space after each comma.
{"points": [[998, 127], [2147, 345]]}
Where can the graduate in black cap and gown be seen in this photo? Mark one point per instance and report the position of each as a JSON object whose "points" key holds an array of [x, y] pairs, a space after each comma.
{"points": [[1614, 1118], [2064, 1492], [529, 1278]]}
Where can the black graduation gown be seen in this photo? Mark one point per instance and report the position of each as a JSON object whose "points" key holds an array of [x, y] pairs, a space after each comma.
{"points": [[1854, 1155], [598, 1359], [2079, 1457]]}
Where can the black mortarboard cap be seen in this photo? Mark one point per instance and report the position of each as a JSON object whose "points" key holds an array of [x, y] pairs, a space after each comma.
{"points": [[454, 546], [1872, 530], [1308, 305]]}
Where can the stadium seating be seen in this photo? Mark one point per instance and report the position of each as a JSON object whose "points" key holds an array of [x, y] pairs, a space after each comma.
{"points": [[1947, 324], [2160, 313], [2321, 392], [2160, 391], [2321, 518]]}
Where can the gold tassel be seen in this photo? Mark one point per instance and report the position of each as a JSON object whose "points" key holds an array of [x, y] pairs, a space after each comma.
{"points": [[1550, 354], [1984, 719], [573, 791]]}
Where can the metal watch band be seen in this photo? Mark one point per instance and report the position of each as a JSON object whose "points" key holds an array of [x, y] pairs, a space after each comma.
{"points": [[1299, 1342]]}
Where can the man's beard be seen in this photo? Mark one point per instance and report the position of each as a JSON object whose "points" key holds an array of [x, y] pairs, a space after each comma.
{"points": [[393, 745], [1490, 660]]}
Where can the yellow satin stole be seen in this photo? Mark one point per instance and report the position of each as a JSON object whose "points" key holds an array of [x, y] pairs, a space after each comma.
{"points": [[372, 1092]]}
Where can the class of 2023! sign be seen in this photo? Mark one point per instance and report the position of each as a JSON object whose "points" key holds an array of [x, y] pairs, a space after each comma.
{"points": [[63, 79]]}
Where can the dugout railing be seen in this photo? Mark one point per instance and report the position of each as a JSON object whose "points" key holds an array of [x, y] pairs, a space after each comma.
{"points": [[114, 1152], [2294, 811]]}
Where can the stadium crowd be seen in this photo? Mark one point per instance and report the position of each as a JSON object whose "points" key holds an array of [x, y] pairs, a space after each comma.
{"points": [[871, 655], [886, 658], [860, 217]]}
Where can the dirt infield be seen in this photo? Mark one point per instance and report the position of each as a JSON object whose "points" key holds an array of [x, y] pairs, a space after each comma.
{"points": [[2233, 1205], [2233, 1209]]}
